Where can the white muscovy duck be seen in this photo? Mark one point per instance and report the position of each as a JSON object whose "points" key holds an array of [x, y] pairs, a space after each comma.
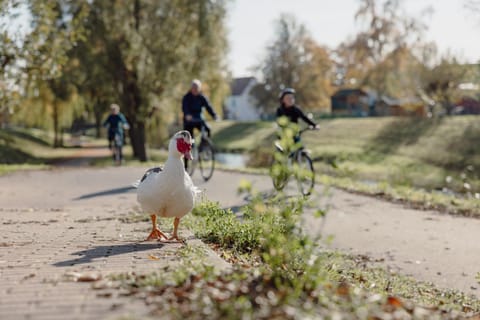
{"points": [[169, 192]]}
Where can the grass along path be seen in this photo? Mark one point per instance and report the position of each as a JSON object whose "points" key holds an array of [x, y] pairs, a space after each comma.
{"points": [[30, 149], [413, 152], [434, 163], [412, 197]]}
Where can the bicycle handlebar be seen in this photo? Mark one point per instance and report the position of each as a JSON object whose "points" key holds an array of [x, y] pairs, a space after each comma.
{"points": [[307, 129]]}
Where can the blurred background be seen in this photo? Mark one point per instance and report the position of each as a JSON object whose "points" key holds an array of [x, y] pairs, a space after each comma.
{"points": [[387, 76]]}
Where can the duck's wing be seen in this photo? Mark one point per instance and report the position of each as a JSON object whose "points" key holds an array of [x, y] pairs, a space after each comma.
{"points": [[190, 186], [150, 171]]}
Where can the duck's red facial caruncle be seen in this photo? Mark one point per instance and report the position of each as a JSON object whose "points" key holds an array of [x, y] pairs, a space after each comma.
{"points": [[184, 148]]}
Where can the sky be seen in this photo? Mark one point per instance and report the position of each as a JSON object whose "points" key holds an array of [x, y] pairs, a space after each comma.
{"points": [[330, 22], [251, 26]]}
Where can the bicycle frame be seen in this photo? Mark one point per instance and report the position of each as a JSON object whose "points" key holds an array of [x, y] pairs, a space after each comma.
{"points": [[295, 156], [116, 147], [199, 153], [203, 135], [296, 151]]}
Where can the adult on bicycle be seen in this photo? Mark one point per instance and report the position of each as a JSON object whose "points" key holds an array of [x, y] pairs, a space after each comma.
{"points": [[193, 104], [289, 109], [116, 124]]}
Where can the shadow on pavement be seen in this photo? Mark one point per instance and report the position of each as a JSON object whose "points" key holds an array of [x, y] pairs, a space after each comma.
{"points": [[105, 193], [87, 256]]}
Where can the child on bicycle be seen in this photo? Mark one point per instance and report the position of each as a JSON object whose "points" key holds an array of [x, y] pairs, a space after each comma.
{"points": [[116, 124], [290, 110]]}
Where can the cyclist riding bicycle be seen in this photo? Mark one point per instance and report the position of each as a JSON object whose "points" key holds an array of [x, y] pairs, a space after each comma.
{"points": [[193, 104], [290, 110], [116, 124]]}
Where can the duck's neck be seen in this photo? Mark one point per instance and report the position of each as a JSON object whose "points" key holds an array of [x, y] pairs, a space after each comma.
{"points": [[175, 167]]}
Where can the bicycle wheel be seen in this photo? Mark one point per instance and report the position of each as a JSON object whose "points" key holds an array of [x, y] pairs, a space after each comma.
{"points": [[191, 164], [206, 159], [304, 173], [279, 172], [117, 150]]}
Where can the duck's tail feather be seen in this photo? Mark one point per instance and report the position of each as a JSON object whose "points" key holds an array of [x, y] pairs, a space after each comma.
{"points": [[136, 184]]}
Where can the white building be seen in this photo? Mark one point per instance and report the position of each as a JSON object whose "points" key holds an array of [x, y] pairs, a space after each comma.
{"points": [[241, 105]]}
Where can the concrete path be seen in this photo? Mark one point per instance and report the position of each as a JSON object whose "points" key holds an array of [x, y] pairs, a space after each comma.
{"points": [[53, 222]]}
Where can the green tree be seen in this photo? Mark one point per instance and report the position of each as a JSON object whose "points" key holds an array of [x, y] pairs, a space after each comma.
{"points": [[293, 59], [441, 82], [56, 29], [152, 49], [387, 50], [10, 81]]}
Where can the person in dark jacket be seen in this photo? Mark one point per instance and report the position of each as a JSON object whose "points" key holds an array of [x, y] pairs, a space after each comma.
{"points": [[290, 110], [193, 104]]}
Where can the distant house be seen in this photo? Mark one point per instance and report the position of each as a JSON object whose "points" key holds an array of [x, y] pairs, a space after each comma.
{"points": [[361, 103], [241, 105], [387, 106], [467, 105], [350, 102]]}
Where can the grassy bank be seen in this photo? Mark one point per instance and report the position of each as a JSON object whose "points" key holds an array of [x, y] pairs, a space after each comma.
{"points": [[423, 153], [241, 136], [28, 149]]}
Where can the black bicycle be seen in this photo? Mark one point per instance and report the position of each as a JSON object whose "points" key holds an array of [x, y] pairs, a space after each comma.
{"points": [[203, 156], [116, 146], [298, 163]]}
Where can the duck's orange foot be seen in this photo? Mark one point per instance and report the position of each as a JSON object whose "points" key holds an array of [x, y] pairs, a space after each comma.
{"points": [[156, 234], [176, 238]]}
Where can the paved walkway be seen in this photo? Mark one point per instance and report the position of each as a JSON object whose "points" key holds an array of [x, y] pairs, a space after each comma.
{"points": [[54, 223]]}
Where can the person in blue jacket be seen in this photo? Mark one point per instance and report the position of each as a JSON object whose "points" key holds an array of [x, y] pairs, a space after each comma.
{"points": [[116, 124], [193, 104]]}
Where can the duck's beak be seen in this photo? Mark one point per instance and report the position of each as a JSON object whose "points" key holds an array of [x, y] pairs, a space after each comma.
{"points": [[188, 154]]}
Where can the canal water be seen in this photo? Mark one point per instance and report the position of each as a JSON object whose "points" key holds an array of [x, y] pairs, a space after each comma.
{"points": [[232, 160]]}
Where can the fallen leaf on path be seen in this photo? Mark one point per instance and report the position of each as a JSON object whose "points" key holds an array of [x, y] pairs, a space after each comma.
{"points": [[104, 295], [104, 284], [31, 275], [343, 289], [84, 276], [88, 277], [394, 302], [152, 257]]}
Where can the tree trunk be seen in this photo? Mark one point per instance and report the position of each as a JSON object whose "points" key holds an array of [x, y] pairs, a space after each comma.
{"points": [[98, 123], [132, 100], [448, 106], [137, 140], [55, 124]]}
